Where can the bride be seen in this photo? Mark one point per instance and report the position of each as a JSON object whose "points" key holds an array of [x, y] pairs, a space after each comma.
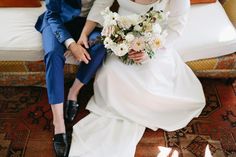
{"points": [[162, 93]]}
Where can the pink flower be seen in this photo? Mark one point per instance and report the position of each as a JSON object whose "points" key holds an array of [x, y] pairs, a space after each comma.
{"points": [[138, 44]]}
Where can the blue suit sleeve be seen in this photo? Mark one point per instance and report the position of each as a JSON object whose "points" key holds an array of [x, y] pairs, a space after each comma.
{"points": [[54, 20]]}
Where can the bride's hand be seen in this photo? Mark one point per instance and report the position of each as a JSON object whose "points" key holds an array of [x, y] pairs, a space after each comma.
{"points": [[137, 57], [83, 40]]}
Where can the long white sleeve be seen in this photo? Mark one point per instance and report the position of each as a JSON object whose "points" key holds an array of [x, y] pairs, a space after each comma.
{"points": [[177, 19], [98, 7]]}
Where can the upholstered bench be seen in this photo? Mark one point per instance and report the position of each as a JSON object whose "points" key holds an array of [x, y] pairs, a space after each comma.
{"points": [[209, 33]]}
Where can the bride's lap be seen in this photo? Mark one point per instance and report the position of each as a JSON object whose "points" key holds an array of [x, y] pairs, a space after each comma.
{"points": [[164, 63]]}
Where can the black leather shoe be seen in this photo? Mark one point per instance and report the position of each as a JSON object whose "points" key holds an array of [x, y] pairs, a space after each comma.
{"points": [[71, 109], [60, 145]]}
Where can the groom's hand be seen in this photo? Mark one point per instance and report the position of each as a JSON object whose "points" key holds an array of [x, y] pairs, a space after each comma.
{"points": [[79, 52], [137, 57]]}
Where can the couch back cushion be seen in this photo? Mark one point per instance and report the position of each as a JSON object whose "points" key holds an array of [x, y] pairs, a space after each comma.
{"points": [[36, 3], [20, 3], [202, 1], [115, 5]]}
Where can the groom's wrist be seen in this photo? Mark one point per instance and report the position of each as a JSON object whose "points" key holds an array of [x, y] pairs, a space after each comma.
{"points": [[68, 42]]}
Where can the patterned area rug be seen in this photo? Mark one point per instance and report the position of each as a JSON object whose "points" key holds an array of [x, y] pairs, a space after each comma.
{"points": [[26, 125]]}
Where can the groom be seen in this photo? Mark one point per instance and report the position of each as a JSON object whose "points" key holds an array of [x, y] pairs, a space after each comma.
{"points": [[61, 26]]}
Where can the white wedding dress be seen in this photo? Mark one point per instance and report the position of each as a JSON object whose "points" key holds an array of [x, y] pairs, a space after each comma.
{"points": [[162, 93]]}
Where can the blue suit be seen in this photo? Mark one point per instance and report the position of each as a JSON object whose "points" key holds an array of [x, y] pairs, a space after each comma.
{"points": [[60, 22]]}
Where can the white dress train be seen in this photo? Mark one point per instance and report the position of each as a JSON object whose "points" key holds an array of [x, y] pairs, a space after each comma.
{"points": [[162, 93]]}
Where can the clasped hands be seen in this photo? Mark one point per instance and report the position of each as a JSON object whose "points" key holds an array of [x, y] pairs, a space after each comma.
{"points": [[79, 51]]}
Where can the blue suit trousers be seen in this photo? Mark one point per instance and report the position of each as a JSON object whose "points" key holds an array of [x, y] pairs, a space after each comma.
{"points": [[54, 60]]}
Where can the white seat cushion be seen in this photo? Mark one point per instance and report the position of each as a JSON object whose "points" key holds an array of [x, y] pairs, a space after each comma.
{"points": [[19, 40], [209, 33]]}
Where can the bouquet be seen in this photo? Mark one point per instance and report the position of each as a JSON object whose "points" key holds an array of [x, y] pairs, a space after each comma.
{"points": [[141, 33]]}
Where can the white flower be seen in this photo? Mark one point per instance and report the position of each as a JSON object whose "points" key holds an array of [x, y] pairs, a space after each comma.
{"points": [[129, 37], [148, 36], [161, 16], [156, 28], [134, 18], [157, 42], [120, 49], [138, 28], [111, 19], [124, 22], [127, 21], [108, 43]]}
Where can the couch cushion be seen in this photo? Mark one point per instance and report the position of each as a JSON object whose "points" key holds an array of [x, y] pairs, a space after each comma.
{"points": [[20, 3], [202, 1], [205, 36], [19, 40]]}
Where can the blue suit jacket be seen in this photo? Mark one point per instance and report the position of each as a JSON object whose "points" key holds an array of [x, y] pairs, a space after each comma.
{"points": [[58, 12]]}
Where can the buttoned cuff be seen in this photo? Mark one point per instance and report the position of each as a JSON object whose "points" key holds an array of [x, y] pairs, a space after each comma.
{"points": [[68, 42]]}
